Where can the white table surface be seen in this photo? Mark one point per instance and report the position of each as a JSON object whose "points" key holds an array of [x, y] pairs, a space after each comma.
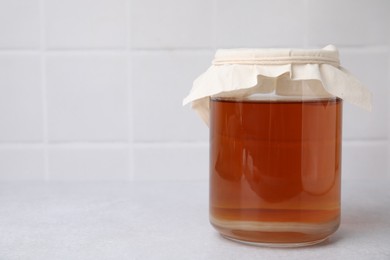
{"points": [[165, 220]]}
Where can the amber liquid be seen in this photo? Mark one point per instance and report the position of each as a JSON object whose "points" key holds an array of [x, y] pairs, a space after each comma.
{"points": [[275, 169]]}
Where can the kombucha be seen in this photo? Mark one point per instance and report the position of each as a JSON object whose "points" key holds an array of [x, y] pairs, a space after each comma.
{"points": [[275, 169]]}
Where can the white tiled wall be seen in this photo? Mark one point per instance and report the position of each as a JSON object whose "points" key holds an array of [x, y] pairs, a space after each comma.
{"points": [[349, 23], [92, 89], [170, 24], [20, 24], [87, 97], [85, 24], [20, 98], [250, 23], [160, 80], [89, 163]]}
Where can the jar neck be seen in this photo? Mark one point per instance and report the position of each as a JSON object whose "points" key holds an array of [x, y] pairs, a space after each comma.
{"points": [[280, 89]]}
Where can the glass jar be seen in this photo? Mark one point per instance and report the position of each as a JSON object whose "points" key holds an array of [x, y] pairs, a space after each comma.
{"points": [[275, 118], [275, 165]]}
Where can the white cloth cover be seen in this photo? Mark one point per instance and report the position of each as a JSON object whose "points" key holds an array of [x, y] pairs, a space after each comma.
{"points": [[244, 72]]}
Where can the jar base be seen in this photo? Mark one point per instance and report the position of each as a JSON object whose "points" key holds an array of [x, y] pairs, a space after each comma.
{"points": [[275, 234], [276, 245]]}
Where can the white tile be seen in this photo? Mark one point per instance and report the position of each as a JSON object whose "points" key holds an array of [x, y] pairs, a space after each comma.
{"points": [[251, 23], [348, 22], [85, 23], [371, 68], [365, 160], [19, 24], [20, 98], [88, 164], [87, 98], [160, 81], [171, 24], [19, 164], [171, 162]]}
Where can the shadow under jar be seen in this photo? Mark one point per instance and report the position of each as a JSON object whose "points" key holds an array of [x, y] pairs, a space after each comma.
{"points": [[275, 166]]}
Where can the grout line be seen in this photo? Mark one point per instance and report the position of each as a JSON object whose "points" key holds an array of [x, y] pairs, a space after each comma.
{"points": [[153, 51], [206, 143], [131, 145], [362, 48], [124, 144], [171, 145], [87, 51], [20, 51], [69, 145], [44, 91], [365, 142], [372, 48], [306, 24], [130, 121], [130, 113], [98, 51], [128, 35], [388, 108], [92, 145], [214, 25], [66, 49], [22, 145], [130, 158]]}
